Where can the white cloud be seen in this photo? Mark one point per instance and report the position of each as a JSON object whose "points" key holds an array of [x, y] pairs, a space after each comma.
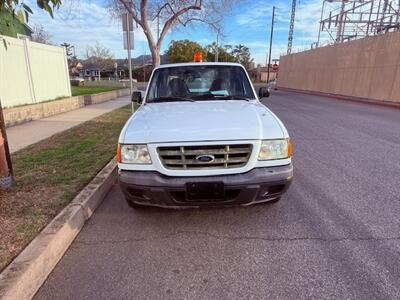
{"points": [[83, 24], [258, 14]]}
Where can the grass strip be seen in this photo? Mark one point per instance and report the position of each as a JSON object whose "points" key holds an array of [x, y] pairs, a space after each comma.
{"points": [[49, 174], [88, 90]]}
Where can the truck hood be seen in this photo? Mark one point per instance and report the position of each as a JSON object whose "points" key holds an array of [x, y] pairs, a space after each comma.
{"points": [[201, 121]]}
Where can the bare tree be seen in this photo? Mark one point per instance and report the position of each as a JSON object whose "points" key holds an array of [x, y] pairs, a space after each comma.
{"points": [[40, 35], [100, 57], [166, 14]]}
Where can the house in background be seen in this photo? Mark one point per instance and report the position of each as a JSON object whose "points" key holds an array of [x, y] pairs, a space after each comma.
{"points": [[13, 26], [91, 71], [119, 69], [74, 67]]}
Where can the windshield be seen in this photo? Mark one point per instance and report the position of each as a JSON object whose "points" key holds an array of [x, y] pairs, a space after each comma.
{"points": [[194, 83]]}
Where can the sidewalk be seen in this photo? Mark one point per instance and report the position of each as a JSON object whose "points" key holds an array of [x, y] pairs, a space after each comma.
{"points": [[21, 136]]}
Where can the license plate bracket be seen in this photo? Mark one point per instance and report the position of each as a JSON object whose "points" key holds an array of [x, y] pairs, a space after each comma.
{"points": [[203, 191]]}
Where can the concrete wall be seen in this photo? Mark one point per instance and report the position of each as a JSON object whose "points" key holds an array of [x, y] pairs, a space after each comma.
{"points": [[368, 68], [31, 72], [264, 76], [22, 114], [25, 113], [123, 92], [106, 96]]}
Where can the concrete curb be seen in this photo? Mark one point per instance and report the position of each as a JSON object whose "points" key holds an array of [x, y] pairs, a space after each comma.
{"points": [[391, 104], [26, 274]]}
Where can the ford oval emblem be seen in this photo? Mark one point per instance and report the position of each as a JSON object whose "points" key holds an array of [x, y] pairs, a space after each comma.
{"points": [[205, 158]]}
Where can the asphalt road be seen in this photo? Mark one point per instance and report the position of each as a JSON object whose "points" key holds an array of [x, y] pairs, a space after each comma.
{"points": [[334, 235]]}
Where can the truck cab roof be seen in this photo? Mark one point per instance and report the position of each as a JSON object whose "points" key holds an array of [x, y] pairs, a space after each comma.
{"points": [[199, 64]]}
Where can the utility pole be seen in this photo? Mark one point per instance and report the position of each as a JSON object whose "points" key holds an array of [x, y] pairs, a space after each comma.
{"points": [[217, 50], [127, 27], [128, 40], [270, 42], [291, 27], [144, 67]]}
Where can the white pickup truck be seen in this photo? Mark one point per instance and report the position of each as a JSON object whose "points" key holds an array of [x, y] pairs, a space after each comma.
{"points": [[201, 137]]}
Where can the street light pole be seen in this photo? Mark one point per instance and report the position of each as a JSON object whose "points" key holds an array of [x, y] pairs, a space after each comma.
{"points": [[128, 41], [270, 42]]}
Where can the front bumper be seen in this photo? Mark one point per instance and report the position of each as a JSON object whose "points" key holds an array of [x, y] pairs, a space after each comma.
{"points": [[154, 189]]}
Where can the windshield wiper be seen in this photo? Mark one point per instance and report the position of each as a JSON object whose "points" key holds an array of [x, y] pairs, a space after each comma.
{"points": [[232, 97], [170, 99], [204, 97]]}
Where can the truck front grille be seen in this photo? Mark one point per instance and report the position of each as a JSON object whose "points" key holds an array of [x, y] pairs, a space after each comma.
{"points": [[193, 157]]}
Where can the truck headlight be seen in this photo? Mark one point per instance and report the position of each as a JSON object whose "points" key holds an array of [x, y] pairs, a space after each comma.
{"points": [[275, 149], [133, 154]]}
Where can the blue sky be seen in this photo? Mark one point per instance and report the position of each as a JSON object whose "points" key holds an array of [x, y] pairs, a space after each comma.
{"points": [[84, 22]]}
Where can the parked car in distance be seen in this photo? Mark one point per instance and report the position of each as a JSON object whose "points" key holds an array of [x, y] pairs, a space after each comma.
{"points": [[201, 137], [77, 81]]}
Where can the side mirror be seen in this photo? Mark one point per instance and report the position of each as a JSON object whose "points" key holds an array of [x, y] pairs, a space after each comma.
{"points": [[137, 97], [263, 92]]}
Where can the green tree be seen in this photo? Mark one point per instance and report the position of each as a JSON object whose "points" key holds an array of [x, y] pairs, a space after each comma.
{"points": [[183, 51], [224, 53], [19, 5], [242, 55]]}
